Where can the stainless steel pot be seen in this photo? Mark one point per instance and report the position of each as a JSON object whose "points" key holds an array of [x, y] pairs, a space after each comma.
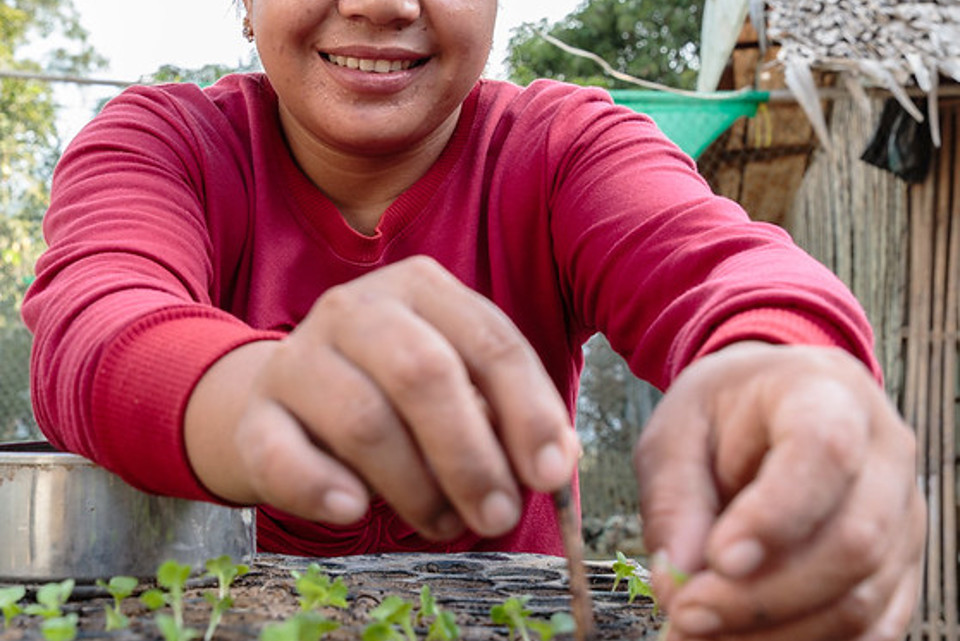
{"points": [[61, 517]]}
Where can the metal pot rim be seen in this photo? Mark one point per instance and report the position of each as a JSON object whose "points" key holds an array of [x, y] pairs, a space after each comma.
{"points": [[38, 453]]}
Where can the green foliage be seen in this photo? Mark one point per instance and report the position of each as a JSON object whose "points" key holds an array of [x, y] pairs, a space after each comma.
{"points": [[203, 76], [514, 614], [316, 590], [304, 626], [119, 587], [9, 602], [443, 624], [172, 577], [636, 586], [35, 36], [656, 41], [51, 598], [63, 628], [225, 571], [393, 619]]}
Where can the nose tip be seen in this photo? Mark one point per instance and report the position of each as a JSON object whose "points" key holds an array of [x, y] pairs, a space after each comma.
{"points": [[381, 12]]}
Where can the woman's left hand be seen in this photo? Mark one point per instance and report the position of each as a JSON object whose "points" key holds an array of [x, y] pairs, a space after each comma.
{"points": [[783, 482]]}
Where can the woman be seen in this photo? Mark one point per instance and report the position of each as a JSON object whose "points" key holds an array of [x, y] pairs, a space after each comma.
{"points": [[352, 291]]}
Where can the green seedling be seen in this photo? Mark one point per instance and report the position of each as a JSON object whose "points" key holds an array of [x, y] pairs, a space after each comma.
{"points": [[119, 587], [51, 598], [393, 620], [443, 625], [514, 614], [316, 590], [172, 577], [303, 626], [61, 628], [9, 602], [225, 571], [636, 586]]}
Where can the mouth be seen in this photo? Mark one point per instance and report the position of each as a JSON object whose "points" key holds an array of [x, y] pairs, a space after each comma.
{"points": [[373, 65]]}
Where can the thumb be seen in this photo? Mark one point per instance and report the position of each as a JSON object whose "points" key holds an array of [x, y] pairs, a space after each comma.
{"points": [[679, 501]]}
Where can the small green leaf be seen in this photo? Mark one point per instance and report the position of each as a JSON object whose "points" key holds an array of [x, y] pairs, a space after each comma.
{"points": [[119, 587], [173, 576], [153, 599], [444, 628], [317, 590], [116, 620], [381, 631], [428, 604], [9, 606], [60, 628], [304, 626]]}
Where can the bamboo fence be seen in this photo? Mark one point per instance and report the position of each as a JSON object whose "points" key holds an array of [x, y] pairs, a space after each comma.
{"points": [[898, 247]]}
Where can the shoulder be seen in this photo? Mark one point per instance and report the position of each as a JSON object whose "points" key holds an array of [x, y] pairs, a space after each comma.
{"points": [[546, 100], [560, 113], [235, 97]]}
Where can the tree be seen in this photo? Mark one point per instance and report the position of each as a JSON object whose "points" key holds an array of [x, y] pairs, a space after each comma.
{"points": [[29, 148], [656, 41]]}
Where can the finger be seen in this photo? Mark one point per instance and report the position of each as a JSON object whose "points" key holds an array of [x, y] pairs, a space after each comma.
{"points": [[428, 386], [532, 420], [840, 623], [347, 414], [678, 498], [894, 622], [818, 442], [288, 472], [850, 568]]}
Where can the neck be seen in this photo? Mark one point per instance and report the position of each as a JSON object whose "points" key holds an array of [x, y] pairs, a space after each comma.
{"points": [[363, 186]]}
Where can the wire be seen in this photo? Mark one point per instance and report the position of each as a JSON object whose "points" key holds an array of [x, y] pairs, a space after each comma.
{"points": [[77, 80]]}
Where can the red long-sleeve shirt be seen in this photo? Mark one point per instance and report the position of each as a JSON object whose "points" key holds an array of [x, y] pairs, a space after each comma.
{"points": [[180, 228]]}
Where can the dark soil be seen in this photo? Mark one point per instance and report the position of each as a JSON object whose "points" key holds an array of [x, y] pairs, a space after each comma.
{"points": [[465, 584]]}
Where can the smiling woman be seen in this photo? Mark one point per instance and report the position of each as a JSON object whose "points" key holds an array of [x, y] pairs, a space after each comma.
{"points": [[352, 290]]}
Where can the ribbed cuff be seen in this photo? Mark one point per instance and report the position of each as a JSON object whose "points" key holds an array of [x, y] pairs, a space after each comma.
{"points": [[784, 327], [141, 390]]}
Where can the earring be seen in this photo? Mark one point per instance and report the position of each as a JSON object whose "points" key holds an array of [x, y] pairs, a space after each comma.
{"points": [[247, 29]]}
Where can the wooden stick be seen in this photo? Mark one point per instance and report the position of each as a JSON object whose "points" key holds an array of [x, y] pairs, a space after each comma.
{"points": [[581, 602], [948, 393]]}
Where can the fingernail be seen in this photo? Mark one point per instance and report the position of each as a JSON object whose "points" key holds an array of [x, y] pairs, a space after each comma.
{"points": [[696, 621], [551, 465], [448, 525], [498, 512], [344, 506], [741, 559]]}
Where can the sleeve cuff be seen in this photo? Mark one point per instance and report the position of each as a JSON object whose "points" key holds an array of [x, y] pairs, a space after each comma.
{"points": [[141, 390], [784, 327]]}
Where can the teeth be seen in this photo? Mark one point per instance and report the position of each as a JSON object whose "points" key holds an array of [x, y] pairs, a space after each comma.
{"points": [[371, 65]]}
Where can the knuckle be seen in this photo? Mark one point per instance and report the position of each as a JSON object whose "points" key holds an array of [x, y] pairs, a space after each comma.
{"points": [[338, 298], [496, 342], [363, 425], [858, 610], [862, 545], [421, 367]]}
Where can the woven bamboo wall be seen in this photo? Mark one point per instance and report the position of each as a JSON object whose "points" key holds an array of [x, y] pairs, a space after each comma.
{"points": [[898, 247]]}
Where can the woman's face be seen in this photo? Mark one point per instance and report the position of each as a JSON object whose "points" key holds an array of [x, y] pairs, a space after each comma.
{"points": [[371, 77]]}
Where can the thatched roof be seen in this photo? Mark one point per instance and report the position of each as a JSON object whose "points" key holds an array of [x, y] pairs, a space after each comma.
{"points": [[894, 44]]}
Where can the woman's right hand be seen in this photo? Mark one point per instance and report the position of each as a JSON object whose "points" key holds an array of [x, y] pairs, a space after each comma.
{"points": [[403, 382]]}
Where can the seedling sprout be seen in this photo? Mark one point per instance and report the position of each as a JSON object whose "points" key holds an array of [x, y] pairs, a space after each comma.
{"points": [[317, 590], [225, 571], [119, 587], [9, 602], [514, 614]]}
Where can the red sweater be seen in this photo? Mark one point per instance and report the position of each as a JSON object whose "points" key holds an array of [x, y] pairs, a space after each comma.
{"points": [[180, 228]]}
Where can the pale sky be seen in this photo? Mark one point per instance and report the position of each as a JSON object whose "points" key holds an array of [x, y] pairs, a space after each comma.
{"points": [[139, 36]]}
